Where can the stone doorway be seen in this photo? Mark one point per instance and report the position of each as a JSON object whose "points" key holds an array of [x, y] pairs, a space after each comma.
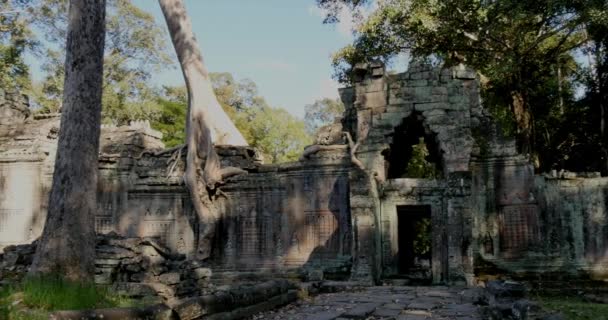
{"points": [[415, 243]]}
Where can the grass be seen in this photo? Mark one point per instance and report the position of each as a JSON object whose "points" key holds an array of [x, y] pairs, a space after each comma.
{"points": [[574, 308], [35, 297]]}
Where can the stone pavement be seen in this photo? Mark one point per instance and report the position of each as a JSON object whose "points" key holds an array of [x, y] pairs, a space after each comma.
{"points": [[388, 302]]}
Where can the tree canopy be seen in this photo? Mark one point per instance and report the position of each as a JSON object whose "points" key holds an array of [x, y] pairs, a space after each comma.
{"points": [[322, 112], [277, 134], [527, 54]]}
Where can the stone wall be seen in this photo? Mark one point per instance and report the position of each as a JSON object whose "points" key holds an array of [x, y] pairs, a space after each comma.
{"points": [[276, 217], [322, 213], [446, 105], [573, 224], [289, 215]]}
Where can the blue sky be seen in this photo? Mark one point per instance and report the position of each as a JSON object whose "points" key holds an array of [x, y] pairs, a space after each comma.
{"points": [[281, 45]]}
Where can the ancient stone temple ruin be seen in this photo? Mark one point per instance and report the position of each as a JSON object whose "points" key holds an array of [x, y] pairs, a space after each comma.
{"points": [[346, 210]]}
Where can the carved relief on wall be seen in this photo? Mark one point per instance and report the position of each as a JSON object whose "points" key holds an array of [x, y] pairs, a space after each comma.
{"points": [[519, 229], [158, 215], [321, 227], [253, 232], [247, 230], [104, 222]]}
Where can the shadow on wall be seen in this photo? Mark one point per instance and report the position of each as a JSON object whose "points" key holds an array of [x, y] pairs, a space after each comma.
{"points": [[302, 221], [338, 245]]}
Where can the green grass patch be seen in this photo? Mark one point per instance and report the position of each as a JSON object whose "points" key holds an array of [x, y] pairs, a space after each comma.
{"points": [[35, 297], [574, 308]]}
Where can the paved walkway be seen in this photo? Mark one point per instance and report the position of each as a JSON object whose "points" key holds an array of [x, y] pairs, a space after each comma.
{"points": [[399, 303]]}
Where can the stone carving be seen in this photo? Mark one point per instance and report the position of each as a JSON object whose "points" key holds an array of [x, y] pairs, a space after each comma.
{"points": [[519, 229], [330, 134], [14, 108]]}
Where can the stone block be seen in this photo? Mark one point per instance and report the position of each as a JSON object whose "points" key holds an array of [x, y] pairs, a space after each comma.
{"points": [[195, 308], [201, 273], [398, 99], [378, 71], [133, 289], [467, 74], [403, 107], [418, 83], [107, 262], [103, 278], [372, 99], [374, 86], [395, 84], [430, 106], [442, 91], [506, 289], [169, 278], [457, 107], [112, 252], [361, 311], [386, 312]]}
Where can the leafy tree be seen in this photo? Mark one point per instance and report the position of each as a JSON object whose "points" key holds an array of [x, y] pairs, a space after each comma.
{"points": [[16, 38], [595, 77], [418, 166], [135, 48], [273, 131], [515, 45], [278, 135], [322, 112], [171, 122]]}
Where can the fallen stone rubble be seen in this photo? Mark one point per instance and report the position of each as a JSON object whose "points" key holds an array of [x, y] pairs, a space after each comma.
{"points": [[227, 303], [508, 300], [141, 268]]}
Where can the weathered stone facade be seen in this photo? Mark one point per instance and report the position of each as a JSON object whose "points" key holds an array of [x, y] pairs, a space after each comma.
{"points": [[340, 212]]}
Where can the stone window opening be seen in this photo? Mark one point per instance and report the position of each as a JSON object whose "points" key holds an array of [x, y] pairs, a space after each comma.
{"points": [[414, 152]]}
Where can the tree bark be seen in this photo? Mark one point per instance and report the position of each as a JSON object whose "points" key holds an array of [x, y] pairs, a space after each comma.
{"points": [[67, 245], [207, 123], [523, 119]]}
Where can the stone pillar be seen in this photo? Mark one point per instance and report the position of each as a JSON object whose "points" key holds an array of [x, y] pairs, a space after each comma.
{"points": [[370, 99]]}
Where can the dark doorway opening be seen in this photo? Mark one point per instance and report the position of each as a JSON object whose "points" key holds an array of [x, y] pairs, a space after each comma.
{"points": [[414, 152], [415, 243]]}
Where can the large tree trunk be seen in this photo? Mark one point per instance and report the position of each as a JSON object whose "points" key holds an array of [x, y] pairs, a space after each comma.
{"points": [[67, 245], [523, 119], [207, 124], [201, 98]]}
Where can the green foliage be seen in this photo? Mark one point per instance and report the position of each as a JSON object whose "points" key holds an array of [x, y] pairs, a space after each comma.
{"points": [[34, 297], [422, 237], [135, 48], [171, 122], [574, 308], [16, 38], [418, 166], [280, 136], [277, 134], [523, 50], [322, 112], [172, 115]]}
